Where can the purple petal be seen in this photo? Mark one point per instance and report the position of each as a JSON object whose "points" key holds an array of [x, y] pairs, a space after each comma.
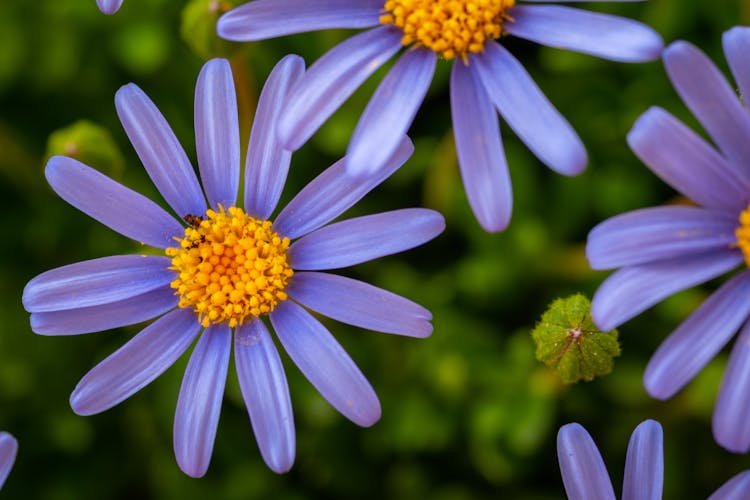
{"points": [[217, 133], [109, 6], [584, 474], [365, 238], [8, 451], [105, 316], [360, 304], [731, 426], [325, 364], [632, 290], [736, 43], [267, 163], [390, 112], [331, 80], [95, 282], [686, 162], [136, 364], [528, 111], [601, 35], [266, 394], [699, 338], [713, 102], [263, 19], [159, 151], [199, 404], [658, 233], [644, 465], [117, 207], [480, 150], [737, 488], [333, 192]]}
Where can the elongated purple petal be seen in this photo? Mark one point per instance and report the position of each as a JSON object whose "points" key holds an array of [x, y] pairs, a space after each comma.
{"points": [[331, 80], [391, 111], [105, 316], [658, 233], [480, 150], [711, 99], [325, 364], [736, 43], [266, 394], [644, 465], [365, 238], [95, 282], [263, 19], [136, 364], [584, 474], [528, 111], [731, 426], [117, 207], [217, 133], [160, 151], [109, 6], [333, 192], [737, 488], [699, 338], [686, 162], [360, 304], [602, 35], [267, 163], [632, 290], [8, 451], [199, 404]]}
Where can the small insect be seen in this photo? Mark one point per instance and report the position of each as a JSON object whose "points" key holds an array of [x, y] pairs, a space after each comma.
{"points": [[193, 220]]}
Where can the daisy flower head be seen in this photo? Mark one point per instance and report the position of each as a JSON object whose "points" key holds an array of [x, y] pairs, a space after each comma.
{"points": [[485, 77], [109, 6], [662, 250], [8, 450], [586, 478], [225, 265]]}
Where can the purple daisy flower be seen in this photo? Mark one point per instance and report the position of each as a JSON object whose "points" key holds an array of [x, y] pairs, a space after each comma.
{"points": [[109, 6], [226, 269], [485, 78], [8, 450], [585, 476], [663, 250]]}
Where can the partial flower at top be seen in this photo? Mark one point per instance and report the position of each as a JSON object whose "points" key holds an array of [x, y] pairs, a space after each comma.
{"points": [[485, 78], [663, 250], [225, 266], [585, 476], [8, 450], [109, 6]]}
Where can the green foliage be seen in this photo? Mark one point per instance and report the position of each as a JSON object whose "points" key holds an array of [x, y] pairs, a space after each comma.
{"points": [[90, 144], [198, 28], [568, 340]]}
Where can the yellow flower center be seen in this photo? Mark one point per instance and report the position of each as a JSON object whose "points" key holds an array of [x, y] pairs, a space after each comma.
{"points": [[449, 27], [230, 266], [743, 234]]}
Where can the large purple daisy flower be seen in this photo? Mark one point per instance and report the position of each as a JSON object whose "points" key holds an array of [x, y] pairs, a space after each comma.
{"points": [[663, 250], [8, 450], [585, 476], [109, 6], [226, 269], [485, 78]]}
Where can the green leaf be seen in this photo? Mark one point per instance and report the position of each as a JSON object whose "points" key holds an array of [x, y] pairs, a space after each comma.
{"points": [[568, 340]]}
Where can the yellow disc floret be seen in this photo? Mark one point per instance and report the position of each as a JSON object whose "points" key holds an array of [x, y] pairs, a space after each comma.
{"points": [[743, 234], [230, 267], [449, 27]]}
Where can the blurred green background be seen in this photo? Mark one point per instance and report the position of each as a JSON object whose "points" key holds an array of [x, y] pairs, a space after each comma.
{"points": [[468, 413]]}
